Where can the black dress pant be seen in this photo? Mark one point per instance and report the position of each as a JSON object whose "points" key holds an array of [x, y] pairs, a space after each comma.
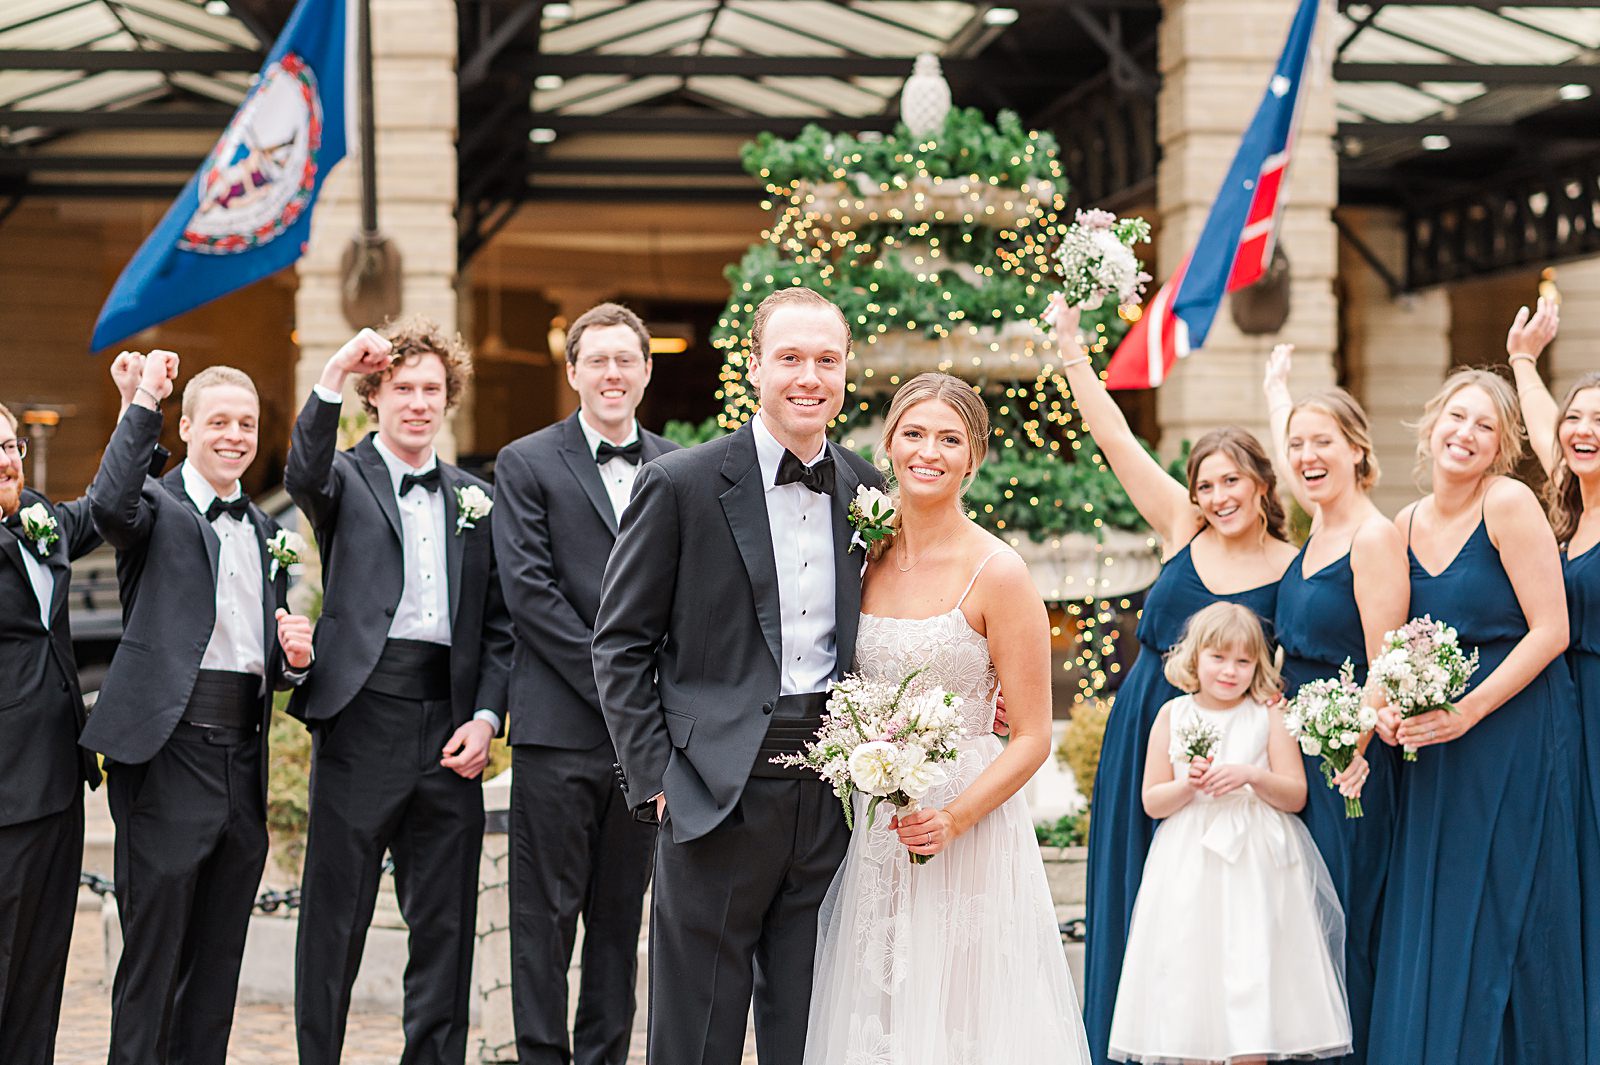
{"points": [[40, 860], [576, 849], [377, 785], [734, 914], [191, 843]]}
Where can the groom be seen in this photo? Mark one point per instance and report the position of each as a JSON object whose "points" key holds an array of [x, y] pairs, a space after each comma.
{"points": [[729, 604]]}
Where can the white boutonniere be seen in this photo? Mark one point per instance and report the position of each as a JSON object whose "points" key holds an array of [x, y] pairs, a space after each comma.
{"points": [[285, 548], [869, 515], [472, 503], [39, 525]]}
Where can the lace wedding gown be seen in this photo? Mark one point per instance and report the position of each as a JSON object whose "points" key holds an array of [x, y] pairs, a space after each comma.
{"points": [[959, 961]]}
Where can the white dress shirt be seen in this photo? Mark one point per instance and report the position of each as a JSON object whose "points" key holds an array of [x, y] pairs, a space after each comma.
{"points": [[802, 546], [238, 638], [618, 474], [39, 575]]}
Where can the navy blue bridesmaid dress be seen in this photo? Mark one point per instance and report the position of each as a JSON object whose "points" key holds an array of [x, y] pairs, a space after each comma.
{"points": [[1583, 611], [1119, 831], [1319, 626], [1478, 957]]}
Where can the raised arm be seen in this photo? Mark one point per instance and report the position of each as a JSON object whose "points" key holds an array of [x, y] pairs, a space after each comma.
{"points": [[1279, 403], [1161, 501], [309, 476], [116, 499], [1525, 342], [1529, 554], [635, 610]]}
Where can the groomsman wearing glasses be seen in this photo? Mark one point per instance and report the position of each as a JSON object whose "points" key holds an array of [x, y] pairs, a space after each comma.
{"points": [[42, 768], [575, 845], [415, 648], [182, 716]]}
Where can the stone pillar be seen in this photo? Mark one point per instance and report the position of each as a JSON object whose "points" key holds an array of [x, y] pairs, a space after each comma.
{"points": [[414, 61], [1216, 57], [1573, 353], [1398, 349]]}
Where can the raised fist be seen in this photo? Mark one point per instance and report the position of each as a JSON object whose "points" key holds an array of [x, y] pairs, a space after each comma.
{"points": [[159, 372]]}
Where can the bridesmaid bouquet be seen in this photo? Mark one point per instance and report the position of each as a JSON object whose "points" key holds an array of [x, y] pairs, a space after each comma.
{"points": [[1327, 717], [1195, 738], [884, 741], [1423, 668], [1097, 259]]}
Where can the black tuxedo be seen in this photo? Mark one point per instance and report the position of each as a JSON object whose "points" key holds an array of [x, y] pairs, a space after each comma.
{"points": [[42, 773], [686, 653], [189, 802], [575, 846], [376, 782]]}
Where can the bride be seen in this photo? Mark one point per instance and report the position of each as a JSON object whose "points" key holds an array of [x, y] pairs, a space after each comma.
{"points": [[959, 961]]}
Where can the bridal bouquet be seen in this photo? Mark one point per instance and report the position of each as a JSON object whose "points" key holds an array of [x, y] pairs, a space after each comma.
{"points": [[1097, 259], [885, 741], [1328, 718], [1423, 668]]}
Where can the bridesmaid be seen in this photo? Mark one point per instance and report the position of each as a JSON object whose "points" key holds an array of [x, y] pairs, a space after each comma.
{"points": [[1478, 958], [1345, 589], [1222, 539], [1567, 443]]}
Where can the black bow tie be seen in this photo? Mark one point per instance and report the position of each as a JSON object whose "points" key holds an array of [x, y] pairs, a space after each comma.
{"points": [[236, 508], [429, 481], [629, 453], [818, 476], [14, 523]]}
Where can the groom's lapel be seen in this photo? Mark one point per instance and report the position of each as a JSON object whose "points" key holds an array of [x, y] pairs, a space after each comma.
{"points": [[745, 505], [846, 564]]}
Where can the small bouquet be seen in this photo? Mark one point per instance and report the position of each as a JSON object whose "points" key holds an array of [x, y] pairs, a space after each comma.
{"points": [[1327, 717], [1194, 738], [1097, 259], [883, 740], [1423, 668]]}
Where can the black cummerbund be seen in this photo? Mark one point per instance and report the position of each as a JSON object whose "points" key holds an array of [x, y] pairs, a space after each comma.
{"points": [[223, 699], [412, 669], [795, 720]]}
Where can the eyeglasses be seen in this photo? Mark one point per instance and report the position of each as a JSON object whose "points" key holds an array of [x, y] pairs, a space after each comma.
{"points": [[600, 362], [16, 449]]}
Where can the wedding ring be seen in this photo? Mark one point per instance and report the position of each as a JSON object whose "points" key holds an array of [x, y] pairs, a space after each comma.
{"points": [[1431, 734]]}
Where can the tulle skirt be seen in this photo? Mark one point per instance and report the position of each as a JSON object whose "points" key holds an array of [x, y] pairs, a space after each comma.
{"points": [[956, 962], [1237, 943]]}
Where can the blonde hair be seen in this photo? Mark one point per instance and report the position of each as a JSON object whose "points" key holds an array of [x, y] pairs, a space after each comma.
{"points": [[799, 296], [413, 337], [1347, 414], [1563, 497], [1508, 445], [1246, 452], [960, 397], [211, 377], [1223, 626]]}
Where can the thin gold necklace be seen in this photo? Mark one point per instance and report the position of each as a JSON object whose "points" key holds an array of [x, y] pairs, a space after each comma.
{"points": [[925, 554]]}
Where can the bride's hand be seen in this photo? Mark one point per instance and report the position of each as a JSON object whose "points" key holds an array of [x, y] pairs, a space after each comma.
{"points": [[924, 831]]}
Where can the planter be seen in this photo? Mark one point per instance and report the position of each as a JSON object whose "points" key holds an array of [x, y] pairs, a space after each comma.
{"points": [[1015, 351], [964, 200], [1067, 870], [1077, 566]]}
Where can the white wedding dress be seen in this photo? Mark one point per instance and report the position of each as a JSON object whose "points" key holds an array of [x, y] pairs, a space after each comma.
{"points": [[959, 961]]}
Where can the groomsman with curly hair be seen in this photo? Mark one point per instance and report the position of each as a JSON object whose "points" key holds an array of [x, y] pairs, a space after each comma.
{"points": [[414, 649]]}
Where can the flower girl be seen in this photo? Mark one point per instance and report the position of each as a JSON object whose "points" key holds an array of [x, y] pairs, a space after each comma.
{"points": [[1237, 940]]}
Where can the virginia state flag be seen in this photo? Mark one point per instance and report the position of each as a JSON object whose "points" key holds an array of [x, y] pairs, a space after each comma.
{"points": [[246, 213], [1236, 243]]}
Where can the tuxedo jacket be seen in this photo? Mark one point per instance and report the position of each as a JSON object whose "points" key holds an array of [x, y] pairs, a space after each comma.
{"points": [[553, 532], [167, 557], [42, 768], [350, 500], [688, 637]]}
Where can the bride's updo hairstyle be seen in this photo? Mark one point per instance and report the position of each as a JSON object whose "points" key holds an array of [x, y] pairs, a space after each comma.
{"points": [[1223, 627], [954, 393]]}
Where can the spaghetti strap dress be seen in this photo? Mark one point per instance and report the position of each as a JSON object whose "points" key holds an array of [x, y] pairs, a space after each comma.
{"points": [[1119, 831], [1582, 573], [1319, 626], [1478, 956]]}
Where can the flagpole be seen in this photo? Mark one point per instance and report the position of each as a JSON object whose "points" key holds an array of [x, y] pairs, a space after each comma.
{"points": [[371, 264]]}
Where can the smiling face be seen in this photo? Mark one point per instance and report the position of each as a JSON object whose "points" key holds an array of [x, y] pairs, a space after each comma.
{"points": [[800, 374], [1229, 499], [221, 432], [1465, 438], [1321, 457], [930, 451], [609, 372], [11, 480], [1225, 673], [1579, 433], [410, 403]]}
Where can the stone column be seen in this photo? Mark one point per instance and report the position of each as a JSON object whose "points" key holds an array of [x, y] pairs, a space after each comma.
{"points": [[1574, 352], [414, 60], [1216, 57], [1398, 348]]}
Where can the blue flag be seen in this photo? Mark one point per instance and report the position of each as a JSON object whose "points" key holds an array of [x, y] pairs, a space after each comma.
{"points": [[246, 213]]}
